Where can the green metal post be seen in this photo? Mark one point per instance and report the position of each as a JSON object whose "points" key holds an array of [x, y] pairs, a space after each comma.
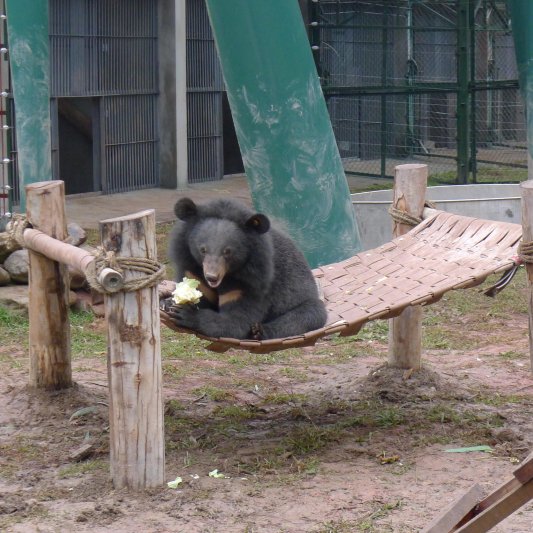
{"points": [[283, 127], [463, 97], [473, 129], [411, 73], [383, 99], [521, 21], [29, 61]]}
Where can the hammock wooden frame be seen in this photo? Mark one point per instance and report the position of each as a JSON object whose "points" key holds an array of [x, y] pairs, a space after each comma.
{"points": [[443, 253]]}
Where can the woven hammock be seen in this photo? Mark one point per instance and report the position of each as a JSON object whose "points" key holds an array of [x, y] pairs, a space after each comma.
{"points": [[442, 253]]}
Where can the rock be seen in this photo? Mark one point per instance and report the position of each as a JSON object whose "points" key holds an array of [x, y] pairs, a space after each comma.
{"points": [[5, 278], [14, 297], [17, 265], [76, 234], [7, 246], [72, 298]]}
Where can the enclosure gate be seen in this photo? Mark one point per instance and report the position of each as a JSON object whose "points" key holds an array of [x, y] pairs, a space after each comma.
{"points": [[204, 98], [104, 85]]}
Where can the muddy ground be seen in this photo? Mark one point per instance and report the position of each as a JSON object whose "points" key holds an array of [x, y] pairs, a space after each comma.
{"points": [[318, 440]]}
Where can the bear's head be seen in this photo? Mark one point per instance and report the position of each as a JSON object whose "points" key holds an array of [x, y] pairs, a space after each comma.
{"points": [[223, 236]]}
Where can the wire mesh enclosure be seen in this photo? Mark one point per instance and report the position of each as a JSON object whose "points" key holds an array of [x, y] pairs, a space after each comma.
{"points": [[422, 81]]}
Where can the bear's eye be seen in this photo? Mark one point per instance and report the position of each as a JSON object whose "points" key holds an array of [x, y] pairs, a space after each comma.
{"points": [[227, 252], [203, 250]]}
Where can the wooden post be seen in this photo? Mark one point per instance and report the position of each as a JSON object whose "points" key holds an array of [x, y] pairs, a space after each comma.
{"points": [[134, 361], [48, 291], [527, 236], [405, 331]]}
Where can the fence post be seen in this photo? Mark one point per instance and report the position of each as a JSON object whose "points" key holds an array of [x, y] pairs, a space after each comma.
{"points": [[526, 188], [137, 451], [49, 348], [405, 331]]}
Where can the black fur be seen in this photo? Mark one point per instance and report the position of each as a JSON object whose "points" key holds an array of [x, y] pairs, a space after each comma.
{"points": [[267, 290]]}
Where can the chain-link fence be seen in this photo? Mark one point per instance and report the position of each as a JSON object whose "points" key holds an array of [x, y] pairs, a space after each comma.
{"points": [[422, 81]]}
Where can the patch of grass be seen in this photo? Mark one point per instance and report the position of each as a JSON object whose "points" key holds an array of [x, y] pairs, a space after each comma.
{"points": [[294, 373], [182, 346], [14, 327], [85, 340], [234, 412], [389, 417], [284, 398], [310, 438], [377, 330], [173, 371], [172, 407], [498, 400], [21, 449], [80, 469], [443, 414], [484, 175], [437, 338], [511, 355], [213, 393]]}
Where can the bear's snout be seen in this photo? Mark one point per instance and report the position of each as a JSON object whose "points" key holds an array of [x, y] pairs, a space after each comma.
{"points": [[214, 271]]}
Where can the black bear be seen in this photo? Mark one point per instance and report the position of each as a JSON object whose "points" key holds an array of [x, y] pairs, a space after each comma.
{"points": [[255, 282]]}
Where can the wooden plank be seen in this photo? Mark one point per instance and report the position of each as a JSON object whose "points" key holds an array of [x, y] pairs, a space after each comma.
{"points": [[524, 472], [455, 512], [499, 510]]}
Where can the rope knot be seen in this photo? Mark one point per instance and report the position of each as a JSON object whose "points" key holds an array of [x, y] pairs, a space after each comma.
{"points": [[149, 271], [402, 217], [15, 228], [525, 252]]}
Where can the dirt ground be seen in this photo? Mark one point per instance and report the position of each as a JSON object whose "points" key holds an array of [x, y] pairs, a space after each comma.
{"points": [[320, 440]]}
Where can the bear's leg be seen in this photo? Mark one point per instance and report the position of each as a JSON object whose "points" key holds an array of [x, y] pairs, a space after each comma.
{"points": [[236, 324], [308, 316]]}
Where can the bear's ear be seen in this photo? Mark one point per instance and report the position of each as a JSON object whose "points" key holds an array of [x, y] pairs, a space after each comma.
{"points": [[185, 208], [258, 223]]}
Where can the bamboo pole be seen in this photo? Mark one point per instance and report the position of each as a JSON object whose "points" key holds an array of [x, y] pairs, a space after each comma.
{"points": [[134, 362], [526, 188], [405, 331], [48, 291]]}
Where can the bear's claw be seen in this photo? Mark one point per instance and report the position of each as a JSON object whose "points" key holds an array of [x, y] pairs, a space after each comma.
{"points": [[256, 331]]}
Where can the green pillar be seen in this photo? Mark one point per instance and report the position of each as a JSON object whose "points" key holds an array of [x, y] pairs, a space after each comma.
{"points": [[282, 123], [522, 21], [29, 61]]}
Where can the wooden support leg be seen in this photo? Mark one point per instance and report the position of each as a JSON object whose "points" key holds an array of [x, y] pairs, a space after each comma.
{"points": [[49, 349], [137, 450], [405, 331]]}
